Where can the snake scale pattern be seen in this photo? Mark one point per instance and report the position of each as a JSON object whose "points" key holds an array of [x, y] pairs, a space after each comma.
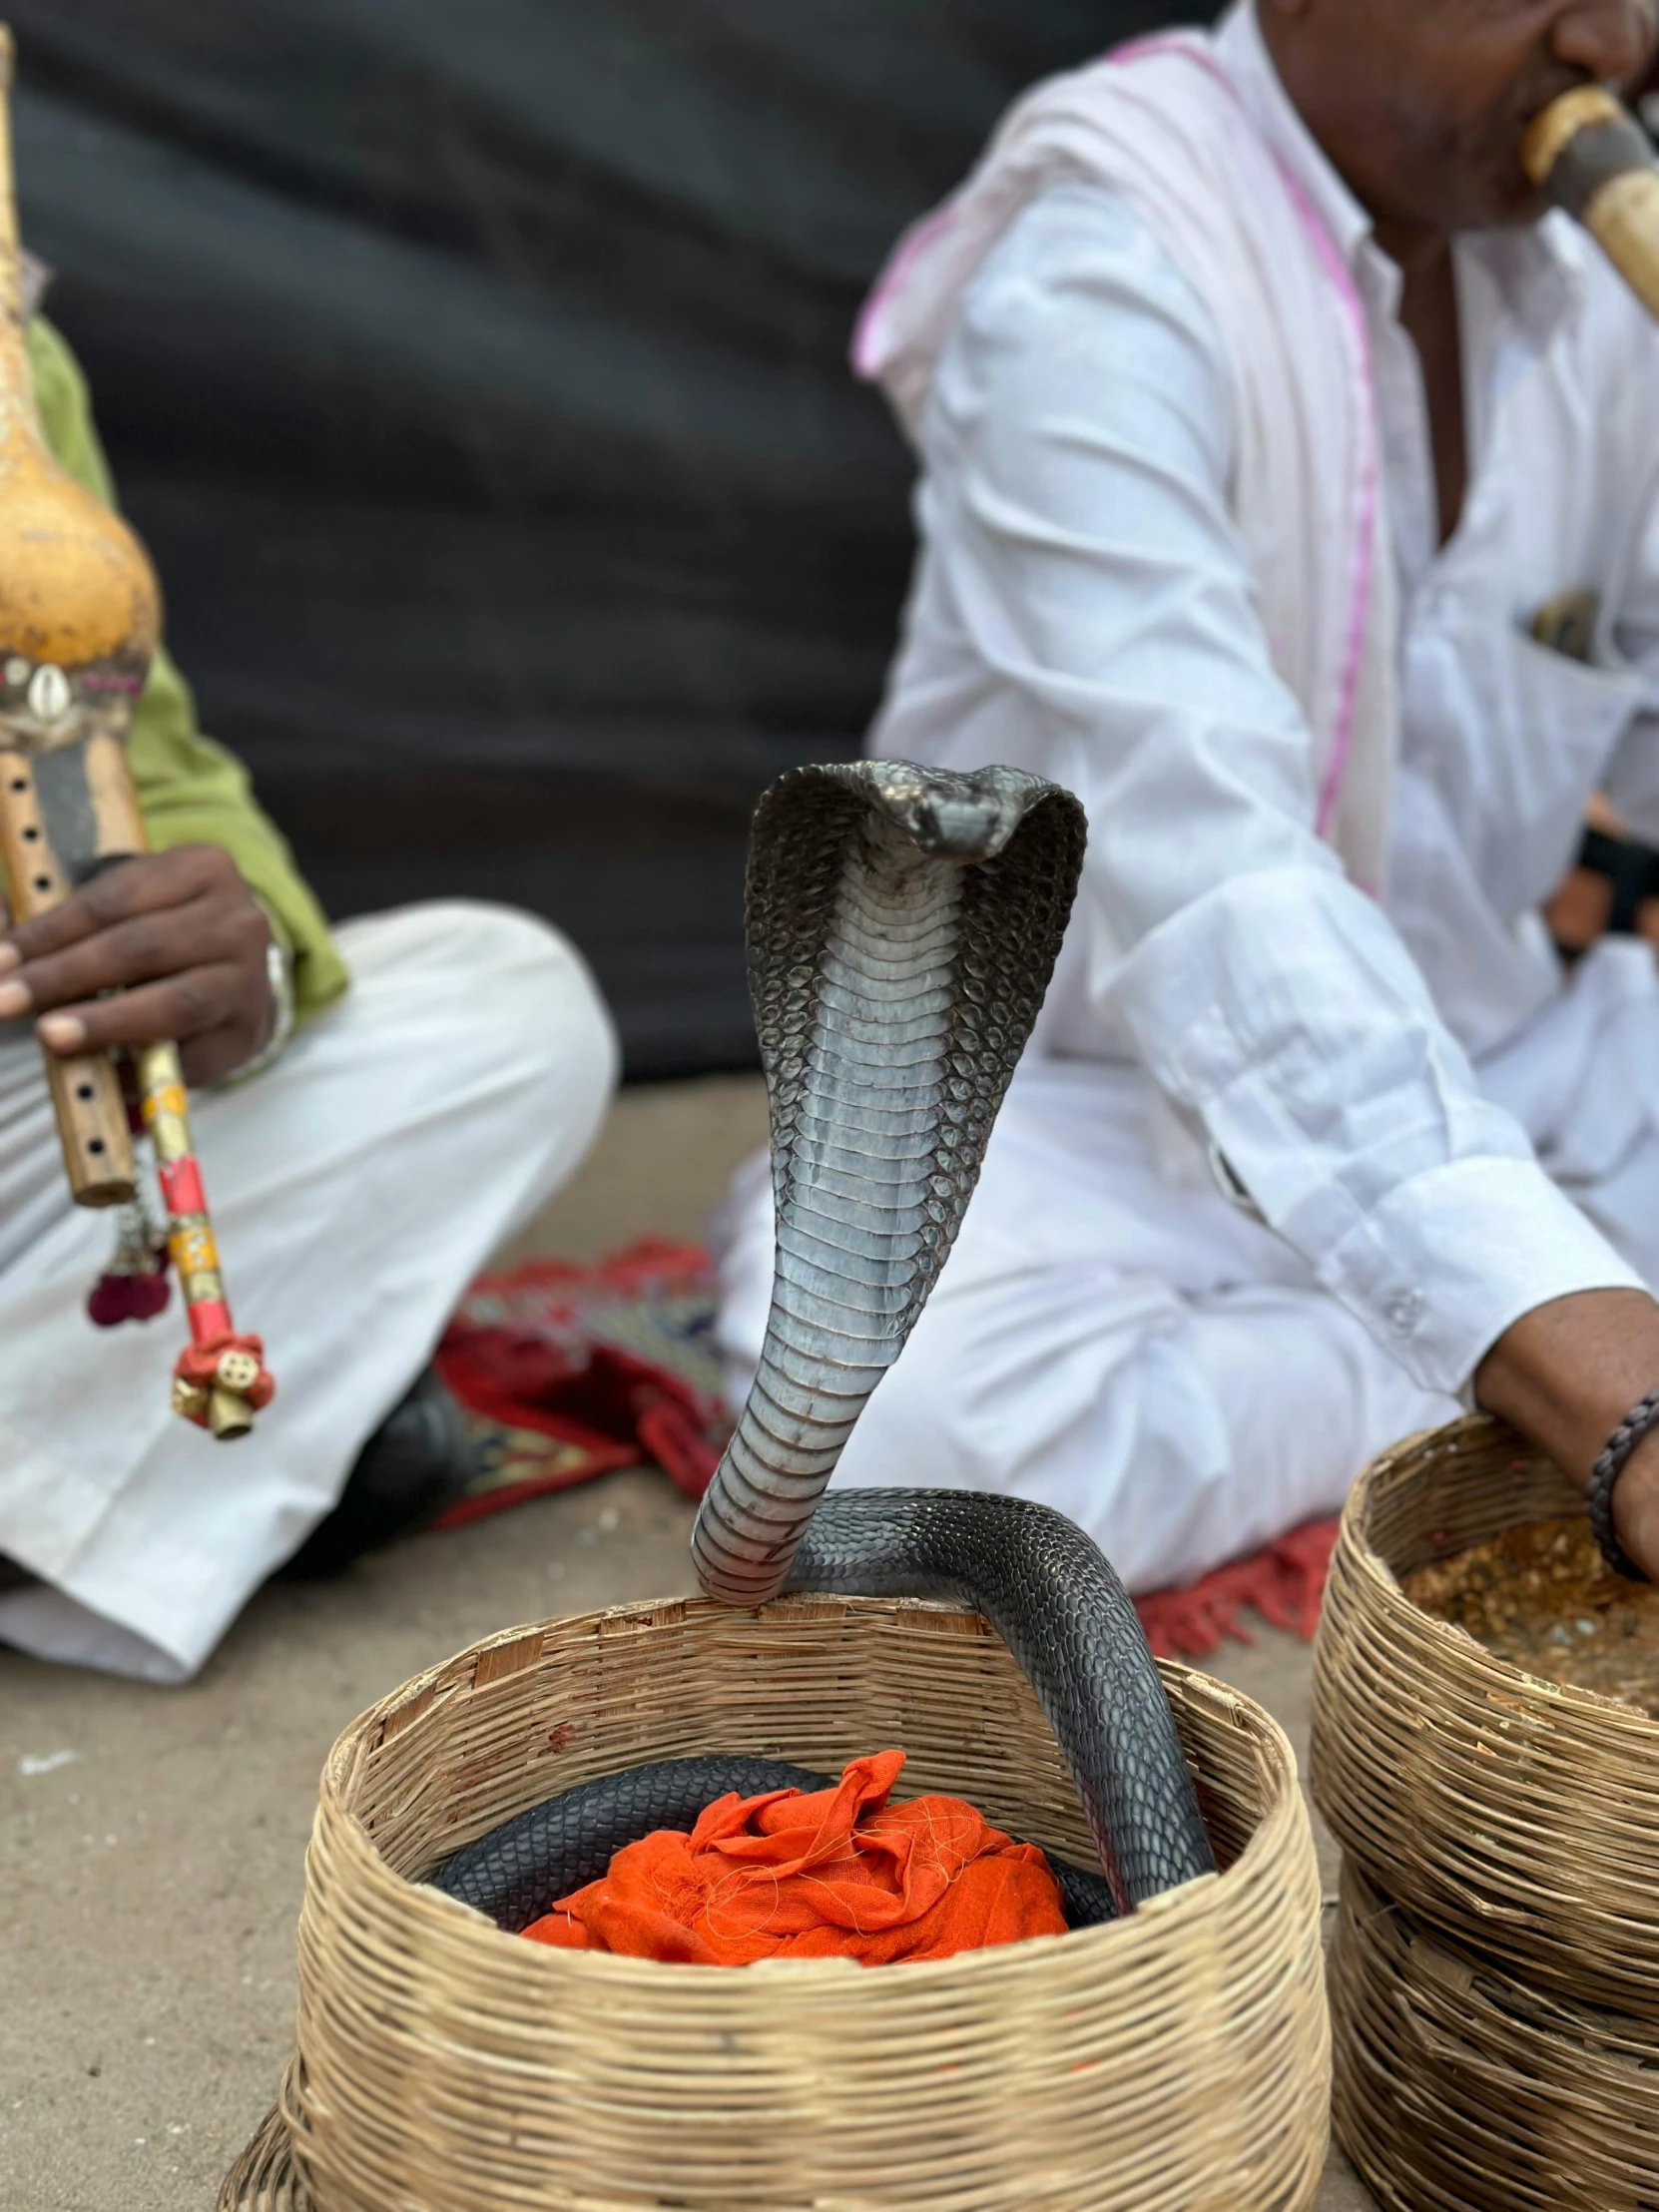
{"points": [[904, 923]]}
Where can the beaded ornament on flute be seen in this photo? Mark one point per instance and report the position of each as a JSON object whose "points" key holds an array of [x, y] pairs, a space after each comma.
{"points": [[220, 1380]]}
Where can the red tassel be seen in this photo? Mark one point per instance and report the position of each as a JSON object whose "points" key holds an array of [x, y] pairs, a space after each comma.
{"points": [[118, 1298]]}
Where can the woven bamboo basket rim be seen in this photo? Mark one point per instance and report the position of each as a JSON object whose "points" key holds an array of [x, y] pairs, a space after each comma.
{"points": [[1462, 2088], [539, 2077], [1517, 1812]]}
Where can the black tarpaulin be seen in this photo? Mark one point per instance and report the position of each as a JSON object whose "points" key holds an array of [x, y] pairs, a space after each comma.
{"points": [[477, 376]]}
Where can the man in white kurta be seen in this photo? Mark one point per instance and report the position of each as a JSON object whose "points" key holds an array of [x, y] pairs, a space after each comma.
{"points": [[1444, 1131]]}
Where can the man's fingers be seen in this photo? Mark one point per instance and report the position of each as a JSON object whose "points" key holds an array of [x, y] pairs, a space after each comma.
{"points": [[184, 1006], [167, 946], [141, 951], [64, 926], [149, 883]]}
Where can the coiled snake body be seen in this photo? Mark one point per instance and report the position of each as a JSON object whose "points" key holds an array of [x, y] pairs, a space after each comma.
{"points": [[904, 923]]}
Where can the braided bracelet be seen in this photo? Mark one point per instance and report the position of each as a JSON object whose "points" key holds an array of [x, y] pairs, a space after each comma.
{"points": [[1639, 1422]]}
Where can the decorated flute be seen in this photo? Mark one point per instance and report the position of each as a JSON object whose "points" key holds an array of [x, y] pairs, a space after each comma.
{"points": [[1588, 152], [80, 618]]}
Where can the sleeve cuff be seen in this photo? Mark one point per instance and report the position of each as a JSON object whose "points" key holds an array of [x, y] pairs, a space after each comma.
{"points": [[1455, 1256]]}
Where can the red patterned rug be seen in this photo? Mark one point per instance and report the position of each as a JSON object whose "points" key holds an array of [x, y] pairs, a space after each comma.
{"points": [[568, 1372]]}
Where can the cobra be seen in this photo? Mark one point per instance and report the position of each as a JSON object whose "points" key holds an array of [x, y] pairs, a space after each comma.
{"points": [[903, 926]]}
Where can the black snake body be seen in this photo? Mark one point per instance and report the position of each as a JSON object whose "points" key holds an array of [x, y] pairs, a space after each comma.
{"points": [[904, 923]]}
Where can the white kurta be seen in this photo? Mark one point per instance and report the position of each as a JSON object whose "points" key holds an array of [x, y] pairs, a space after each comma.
{"points": [[356, 1187], [1442, 1131]]}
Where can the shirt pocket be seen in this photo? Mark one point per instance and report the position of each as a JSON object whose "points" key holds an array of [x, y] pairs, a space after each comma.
{"points": [[1550, 728]]}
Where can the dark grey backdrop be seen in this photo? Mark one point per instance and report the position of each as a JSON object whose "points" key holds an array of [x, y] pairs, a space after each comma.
{"points": [[476, 374]]}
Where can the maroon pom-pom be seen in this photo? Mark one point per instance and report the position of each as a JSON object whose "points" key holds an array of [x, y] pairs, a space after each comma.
{"points": [[111, 1302], [150, 1294], [119, 1298]]}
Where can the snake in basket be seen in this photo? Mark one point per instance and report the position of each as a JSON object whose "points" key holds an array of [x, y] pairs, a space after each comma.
{"points": [[903, 926]]}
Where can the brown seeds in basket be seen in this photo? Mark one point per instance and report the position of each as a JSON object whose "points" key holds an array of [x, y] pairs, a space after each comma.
{"points": [[1542, 1597]]}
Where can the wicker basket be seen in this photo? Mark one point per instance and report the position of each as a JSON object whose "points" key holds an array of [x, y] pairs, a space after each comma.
{"points": [[1178, 2060], [1461, 2090], [1516, 1815], [264, 2178]]}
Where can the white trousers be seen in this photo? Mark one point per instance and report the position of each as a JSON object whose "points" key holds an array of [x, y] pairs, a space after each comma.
{"points": [[1160, 1367], [356, 1188]]}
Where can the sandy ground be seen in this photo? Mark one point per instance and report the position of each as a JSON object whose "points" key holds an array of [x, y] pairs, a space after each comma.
{"points": [[150, 1842]]}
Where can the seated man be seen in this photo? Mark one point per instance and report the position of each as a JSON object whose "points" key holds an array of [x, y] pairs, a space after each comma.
{"points": [[448, 1066], [1266, 423]]}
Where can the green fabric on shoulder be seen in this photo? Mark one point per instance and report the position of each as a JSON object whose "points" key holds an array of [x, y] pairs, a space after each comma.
{"points": [[191, 791]]}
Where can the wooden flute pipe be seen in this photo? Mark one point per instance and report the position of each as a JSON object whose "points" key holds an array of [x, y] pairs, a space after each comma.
{"points": [[1588, 152], [87, 1098]]}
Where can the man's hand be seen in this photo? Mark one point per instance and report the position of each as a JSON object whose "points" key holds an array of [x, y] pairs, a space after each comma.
{"points": [[178, 934], [1566, 1376]]}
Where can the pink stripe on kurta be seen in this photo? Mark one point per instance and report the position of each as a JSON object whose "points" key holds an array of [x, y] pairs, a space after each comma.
{"points": [[1353, 307], [909, 251]]}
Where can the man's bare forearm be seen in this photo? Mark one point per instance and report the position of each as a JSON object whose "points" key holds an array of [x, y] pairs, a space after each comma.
{"points": [[1566, 1376]]}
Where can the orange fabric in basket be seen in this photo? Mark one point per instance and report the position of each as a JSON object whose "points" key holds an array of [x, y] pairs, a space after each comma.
{"points": [[837, 1874]]}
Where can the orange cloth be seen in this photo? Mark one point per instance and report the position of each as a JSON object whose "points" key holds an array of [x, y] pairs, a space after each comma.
{"points": [[838, 1875]]}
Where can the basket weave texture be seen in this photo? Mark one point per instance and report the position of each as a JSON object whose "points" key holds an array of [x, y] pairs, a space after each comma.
{"points": [[1177, 2060], [264, 2178], [1460, 2088], [1515, 1813]]}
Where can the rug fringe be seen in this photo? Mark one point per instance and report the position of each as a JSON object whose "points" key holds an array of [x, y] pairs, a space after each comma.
{"points": [[1284, 1583]]}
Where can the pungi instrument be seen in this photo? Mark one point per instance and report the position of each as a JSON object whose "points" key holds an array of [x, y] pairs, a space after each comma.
{"points": [[1592, 157], [80, 619]]}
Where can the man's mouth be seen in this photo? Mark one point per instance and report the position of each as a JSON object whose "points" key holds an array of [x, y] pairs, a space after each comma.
{"points": [[1524, 112], [1537, 101]]}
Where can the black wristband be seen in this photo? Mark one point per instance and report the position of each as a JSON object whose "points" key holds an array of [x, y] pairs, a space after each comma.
{"points": [[1640, 1421]]}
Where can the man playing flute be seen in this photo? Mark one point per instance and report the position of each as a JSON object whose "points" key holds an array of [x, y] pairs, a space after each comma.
{"points": [[1290, 490], [377, 1109]]}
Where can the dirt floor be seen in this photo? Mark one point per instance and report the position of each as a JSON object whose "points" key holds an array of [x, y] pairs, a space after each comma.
{"points": [[150, 1842]]}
